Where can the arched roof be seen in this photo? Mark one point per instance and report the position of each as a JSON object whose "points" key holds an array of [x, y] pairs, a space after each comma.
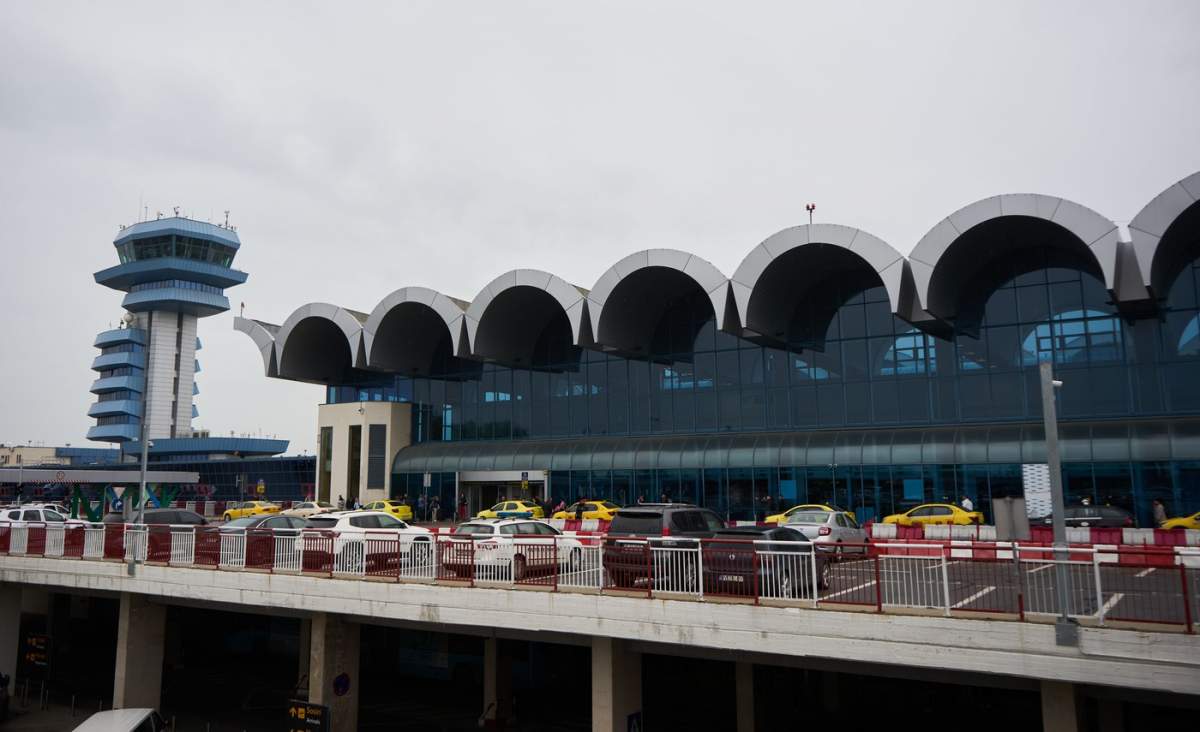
{"points": [[707, 277], [877, 254], [569, 297], [1151, 225], [348, 324], [1097, 234], [448, 311], [263, 335]]}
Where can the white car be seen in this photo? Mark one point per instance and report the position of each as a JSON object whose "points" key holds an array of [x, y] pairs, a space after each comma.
{"points": [[30, 514], [124, 720], [365, 538], [831, 531], [307, 509], [493, 545]]}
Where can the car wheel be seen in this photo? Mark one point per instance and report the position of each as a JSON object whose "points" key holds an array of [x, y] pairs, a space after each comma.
{"points": [[519, 568], [787, 588], [226, 518], [575, 561], [838, 551], [823, 576]]}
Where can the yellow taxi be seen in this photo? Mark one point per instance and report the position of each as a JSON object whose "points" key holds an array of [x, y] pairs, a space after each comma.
{"points": [[249, 508], [781, 518], [603, 510], [1183, 522], [935, 513], [512, 509], [399, 509]]}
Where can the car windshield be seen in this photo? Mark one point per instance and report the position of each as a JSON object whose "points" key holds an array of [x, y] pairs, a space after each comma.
{"points": [[809, 517], [606, 504], [476, 529], [637, 522], [320, 522], [242, 522]]}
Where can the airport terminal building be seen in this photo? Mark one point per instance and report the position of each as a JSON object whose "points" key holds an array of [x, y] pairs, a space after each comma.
{"points": [[827, 367]]}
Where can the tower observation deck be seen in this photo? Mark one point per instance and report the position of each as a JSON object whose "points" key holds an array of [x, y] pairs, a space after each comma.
{"points": [[173, 271]]}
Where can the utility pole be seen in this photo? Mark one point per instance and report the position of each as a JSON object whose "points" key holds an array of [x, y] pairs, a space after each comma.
{"points": [[144, 439], [1066, 631]]}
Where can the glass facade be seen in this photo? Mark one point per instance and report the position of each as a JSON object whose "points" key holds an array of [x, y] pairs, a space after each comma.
{"points": [[858, 368], [174, 245]]}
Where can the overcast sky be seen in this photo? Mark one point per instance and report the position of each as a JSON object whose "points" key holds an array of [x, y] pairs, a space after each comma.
{"points": [[362, 149]]}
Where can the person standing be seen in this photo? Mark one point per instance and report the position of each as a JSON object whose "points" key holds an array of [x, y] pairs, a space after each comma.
{"points": [[1160, 512], [421, 506], [341, 503], [967, 504]]}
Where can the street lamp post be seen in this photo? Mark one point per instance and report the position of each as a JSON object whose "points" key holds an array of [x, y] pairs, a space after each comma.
{"points": [[1066, 631]]}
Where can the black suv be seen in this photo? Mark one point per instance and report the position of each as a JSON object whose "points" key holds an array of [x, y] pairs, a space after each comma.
{"points": [[175, 516], [635, 529]]}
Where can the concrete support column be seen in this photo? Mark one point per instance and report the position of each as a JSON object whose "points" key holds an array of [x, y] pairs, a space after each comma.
{"points": [[333, 679], [497, 684], [744, 683], [141, 633], [1059, 710], [304, 653], [616, 684], [10, 631]]}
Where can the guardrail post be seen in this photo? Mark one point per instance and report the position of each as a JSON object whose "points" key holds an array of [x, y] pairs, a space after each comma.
{"points": [[1187, 601], [1020, 581], [700, 570], [754, 569], [878, 588], [649, 569], [945, 582], [813, 561], [1099, 590]]}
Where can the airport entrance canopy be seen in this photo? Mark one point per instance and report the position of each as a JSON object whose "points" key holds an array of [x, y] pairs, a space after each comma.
{"points": [[99, 477], [1012, 443]]}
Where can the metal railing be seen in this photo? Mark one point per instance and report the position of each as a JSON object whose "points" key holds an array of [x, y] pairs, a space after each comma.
{"points": [[1150, 586]]}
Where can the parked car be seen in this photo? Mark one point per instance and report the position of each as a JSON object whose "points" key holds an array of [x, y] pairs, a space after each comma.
{"points": [[935, 513], [512, 509], [1183, 522], [782, 566], [603, 510], [307, 508], [780, 518], [350, 548], [636, 529], [829, 530], [266, 521], [159, 516], [249, 508], [28, 514], [1105, 517], [124, 720], [531, 547], [398, 509]]}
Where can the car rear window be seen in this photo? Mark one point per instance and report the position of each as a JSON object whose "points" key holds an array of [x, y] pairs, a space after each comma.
{"points": [[242, 522], [319, 522], [636, 522], [809, 517], [474, 529]]}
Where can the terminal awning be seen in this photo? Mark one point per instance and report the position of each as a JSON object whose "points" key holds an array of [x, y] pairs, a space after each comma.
{"points": [[99, 476], [1013, 443]]}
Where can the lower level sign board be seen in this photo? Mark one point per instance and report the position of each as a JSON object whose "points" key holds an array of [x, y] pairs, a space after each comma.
{"points": [[305, 717]]}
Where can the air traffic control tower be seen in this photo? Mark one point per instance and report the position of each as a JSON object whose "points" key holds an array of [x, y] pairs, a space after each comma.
{"points": [[173, 271]]}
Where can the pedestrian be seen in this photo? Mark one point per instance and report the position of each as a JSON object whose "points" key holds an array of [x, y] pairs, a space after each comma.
{"points": [[462, 509], [1160, 513], [966, 504], [421, 506], [435, 505], [560, 506], [341, 503], [641, 499]]}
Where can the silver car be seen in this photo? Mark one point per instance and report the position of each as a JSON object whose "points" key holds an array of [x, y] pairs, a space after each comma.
{"points": [[834, 531]]}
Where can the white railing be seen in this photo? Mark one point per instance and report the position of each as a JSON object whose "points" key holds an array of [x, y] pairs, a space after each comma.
{"points": [[56, 540], [93, 541], [677, 569], [183, 546], [1103, 583]]}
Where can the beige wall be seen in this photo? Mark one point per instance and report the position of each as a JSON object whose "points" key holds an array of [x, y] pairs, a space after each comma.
{"points": [[14, 455], [341, 417]]}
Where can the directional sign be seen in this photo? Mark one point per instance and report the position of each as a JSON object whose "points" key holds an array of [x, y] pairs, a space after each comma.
{"points": [[305, 717], [36, 654], [261, 488]]}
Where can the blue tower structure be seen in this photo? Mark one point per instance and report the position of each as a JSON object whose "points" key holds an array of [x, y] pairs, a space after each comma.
{"points": [[173, 271]]}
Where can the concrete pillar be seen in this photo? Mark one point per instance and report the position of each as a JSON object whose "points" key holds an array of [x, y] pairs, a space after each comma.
{"points": [[1059, 710], [333, 668], [744, 683], [616, 684], [141, 633], [497, 684], [304, 652], [10, 631]]}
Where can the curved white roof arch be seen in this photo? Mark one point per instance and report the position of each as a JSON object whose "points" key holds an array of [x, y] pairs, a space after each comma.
{"points": [[706, 276], [1098, 234], [349, 322], [450, 311], [263, 335], [569, 297], [873, 251], [1147, 229]]}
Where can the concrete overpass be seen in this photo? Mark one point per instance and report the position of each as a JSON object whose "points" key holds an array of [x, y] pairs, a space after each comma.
{"points": [[617, 628]]}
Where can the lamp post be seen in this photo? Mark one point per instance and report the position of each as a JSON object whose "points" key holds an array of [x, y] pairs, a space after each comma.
{"points": [[1066, 631], [144, 440]]}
